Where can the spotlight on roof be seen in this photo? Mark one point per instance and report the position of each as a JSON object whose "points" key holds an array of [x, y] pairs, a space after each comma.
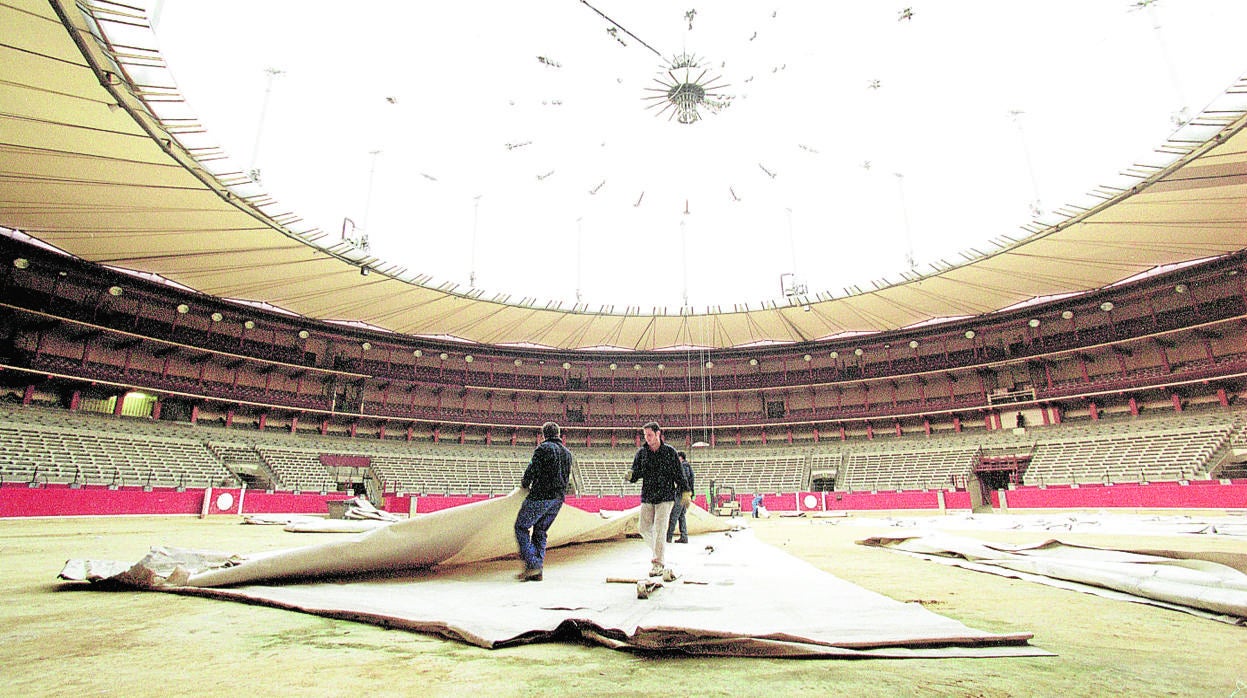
{"points": [[21, 263]]}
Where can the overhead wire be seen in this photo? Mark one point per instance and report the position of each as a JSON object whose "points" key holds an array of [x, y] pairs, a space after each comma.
{"points": [[625, 30]]}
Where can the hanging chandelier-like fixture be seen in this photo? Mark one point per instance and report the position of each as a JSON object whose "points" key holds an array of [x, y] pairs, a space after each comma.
{"points": [[686, 89]]}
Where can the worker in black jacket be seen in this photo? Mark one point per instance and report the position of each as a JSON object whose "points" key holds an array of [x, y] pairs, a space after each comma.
{"points": [[658, 465], [546, 479], [679, 512]]}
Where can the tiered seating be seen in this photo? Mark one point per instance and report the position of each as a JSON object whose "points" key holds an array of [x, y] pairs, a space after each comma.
{"points": [[58, 455], [763, 472], [297, 469], [906, 470], [1164, 454], [745, 469], [235, 453], [603, 472], [827, 463], [450, 474], [65, 446]]}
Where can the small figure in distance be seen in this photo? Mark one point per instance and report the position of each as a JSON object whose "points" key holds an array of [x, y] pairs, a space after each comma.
{"points": [[679, 511]]}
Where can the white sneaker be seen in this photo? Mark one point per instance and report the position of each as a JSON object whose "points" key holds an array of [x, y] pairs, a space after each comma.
{"points": [[656, 570]]}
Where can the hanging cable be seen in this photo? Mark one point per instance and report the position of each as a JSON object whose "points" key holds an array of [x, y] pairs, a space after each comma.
{"points": [[617, 24]]}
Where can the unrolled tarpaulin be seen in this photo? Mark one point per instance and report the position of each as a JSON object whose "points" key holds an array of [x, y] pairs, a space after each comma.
{"points": [[452, 573], [1212, 585]]}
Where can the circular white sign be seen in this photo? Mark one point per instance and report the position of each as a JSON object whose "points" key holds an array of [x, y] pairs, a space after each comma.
{"points": [[810, 501], [224, 501]]}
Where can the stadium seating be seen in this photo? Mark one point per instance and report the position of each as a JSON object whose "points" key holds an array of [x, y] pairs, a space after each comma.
{"points": [[59, 446]]}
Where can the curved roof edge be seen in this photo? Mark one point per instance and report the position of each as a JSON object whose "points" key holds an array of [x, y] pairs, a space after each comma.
{"points": [[154, 205]]}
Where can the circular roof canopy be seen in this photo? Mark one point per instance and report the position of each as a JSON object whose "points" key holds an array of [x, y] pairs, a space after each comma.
{"points": [[103, 159]]}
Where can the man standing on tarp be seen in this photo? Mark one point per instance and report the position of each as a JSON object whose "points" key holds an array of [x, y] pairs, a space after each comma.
{"points": [[546, 479], [658, 464]]}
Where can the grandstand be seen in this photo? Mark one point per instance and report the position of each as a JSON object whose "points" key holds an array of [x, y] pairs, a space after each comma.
{"points": [[43, 446]]}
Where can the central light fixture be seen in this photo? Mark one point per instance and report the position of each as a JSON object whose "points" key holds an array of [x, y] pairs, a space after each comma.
{"points": [[686, 88]]}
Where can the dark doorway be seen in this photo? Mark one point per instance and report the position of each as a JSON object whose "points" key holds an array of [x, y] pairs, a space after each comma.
{"points": [[994, 479]]}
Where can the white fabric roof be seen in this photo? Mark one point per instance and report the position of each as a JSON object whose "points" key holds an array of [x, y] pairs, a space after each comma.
{"points": [[87, 166]]}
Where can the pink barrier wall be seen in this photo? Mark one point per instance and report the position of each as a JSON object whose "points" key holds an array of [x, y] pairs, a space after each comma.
{"points": [[1207, 494], [957, 500], [262, 502], [839, 501], [18, 500], [430, 503], [96, 500], [91, 500]]}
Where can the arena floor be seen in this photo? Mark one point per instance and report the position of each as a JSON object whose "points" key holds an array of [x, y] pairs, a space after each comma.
{"points": [[65, 638]]}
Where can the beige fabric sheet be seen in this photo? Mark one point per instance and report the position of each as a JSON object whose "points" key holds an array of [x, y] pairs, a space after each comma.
{"points": [[1210, 585], [734, 596]]}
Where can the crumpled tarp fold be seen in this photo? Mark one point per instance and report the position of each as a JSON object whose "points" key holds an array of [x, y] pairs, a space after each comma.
{"points": [[1212, 584]]}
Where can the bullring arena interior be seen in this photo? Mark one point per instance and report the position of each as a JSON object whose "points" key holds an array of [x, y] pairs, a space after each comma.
{"points": [[240, 455]]}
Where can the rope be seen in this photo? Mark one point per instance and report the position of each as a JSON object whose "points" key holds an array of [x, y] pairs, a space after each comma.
{"points": [[617, 24]]}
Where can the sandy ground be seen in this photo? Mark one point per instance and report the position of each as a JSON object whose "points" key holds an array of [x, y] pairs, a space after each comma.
{"points": [[64, 639]]}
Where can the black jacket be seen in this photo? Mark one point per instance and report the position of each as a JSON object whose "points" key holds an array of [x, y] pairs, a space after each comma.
{"points": [[548, 472], [661, 471], [687, 468]]}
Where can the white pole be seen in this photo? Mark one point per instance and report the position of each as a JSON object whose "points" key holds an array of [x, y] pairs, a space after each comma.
{"points": [[476, 210], [684, 258], [909, 243], [372, 171], [579, 256], [254, 173]]}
